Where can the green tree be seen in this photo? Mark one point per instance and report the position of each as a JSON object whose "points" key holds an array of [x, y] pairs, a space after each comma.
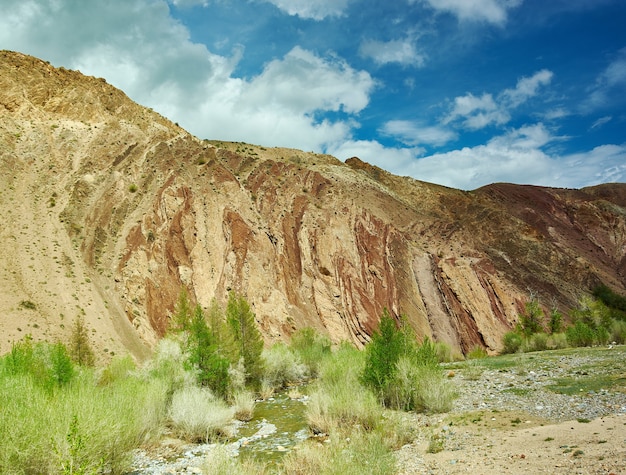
{"points": [[80, 346], [62, 369], [204, 355], [183, 313], [531, 320], [382, 355], [555, 322], [247, 337]]}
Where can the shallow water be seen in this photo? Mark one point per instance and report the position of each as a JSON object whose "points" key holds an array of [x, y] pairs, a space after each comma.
{"points": [[279, 423]]}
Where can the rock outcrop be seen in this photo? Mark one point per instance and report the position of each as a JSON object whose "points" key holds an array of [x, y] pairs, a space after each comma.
{"points": [[109, 209]]}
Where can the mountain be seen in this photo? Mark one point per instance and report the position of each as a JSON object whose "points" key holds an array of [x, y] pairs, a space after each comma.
{"points": [[110, 209]]}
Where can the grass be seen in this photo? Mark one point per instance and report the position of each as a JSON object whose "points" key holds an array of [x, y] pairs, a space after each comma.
{"points": [[583, 384]]}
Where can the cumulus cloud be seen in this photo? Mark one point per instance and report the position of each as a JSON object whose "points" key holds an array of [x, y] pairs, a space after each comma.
{"points": [[518, 156], [413, 133], [141, 49], [475, 112], [395, 51], [526, 88], [312, 9], [490, 11]]}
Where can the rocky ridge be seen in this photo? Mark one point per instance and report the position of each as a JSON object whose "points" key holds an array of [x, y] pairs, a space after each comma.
{"points": [[110, 209]]}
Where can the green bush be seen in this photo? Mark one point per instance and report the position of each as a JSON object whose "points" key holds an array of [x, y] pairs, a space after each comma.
{"points": [[557, 341], [511, 342], [338, 401], [311, 347], [531, 321], [381, 356], [618, 332], [79, 424], [281, 366], [476, 353], [580, 334], [535, 342], [360, 453]]}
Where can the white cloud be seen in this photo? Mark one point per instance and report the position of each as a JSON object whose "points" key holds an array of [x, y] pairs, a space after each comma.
{"points": [[556, 113], [412, 133], [139, 48], [395, 51], [189, 3], [515, 157], [526, 88], [304, 82], [396, 160], [601, 121], [479, 112], [610, 84], [312, 9], [490, 11]]}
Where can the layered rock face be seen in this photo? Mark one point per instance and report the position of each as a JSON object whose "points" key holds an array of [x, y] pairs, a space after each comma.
{"points": [[110, 210]]}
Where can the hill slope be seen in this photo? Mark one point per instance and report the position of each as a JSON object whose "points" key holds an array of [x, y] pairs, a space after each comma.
{"points": [[109, 209]]}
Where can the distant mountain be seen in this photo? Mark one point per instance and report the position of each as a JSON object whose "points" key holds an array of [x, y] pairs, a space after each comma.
{"points": [[109, 210]]}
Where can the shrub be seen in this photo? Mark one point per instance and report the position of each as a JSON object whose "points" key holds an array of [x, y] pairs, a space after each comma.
{"points": [[531, 320], [311, 347], [360, 453], [557, 341], [536, 342], [444, 353], [618, 332], [168, 365], [381, 357], [243, 405], [281, 366], [580, 334], [476, 353], [81, 425], [511, 342], [221, 462], [198, 416], [338, 401]]}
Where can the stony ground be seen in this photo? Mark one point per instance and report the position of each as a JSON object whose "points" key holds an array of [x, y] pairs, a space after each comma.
{"points": [[554, 412]]}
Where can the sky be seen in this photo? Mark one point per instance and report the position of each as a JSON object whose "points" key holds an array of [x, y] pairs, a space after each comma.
{"points": [[461, 93]]}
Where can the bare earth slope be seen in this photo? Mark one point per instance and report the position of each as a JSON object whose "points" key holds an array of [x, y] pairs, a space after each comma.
{"points": [[109, 209]]}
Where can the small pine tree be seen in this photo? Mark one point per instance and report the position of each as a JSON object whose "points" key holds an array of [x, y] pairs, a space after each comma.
{"points": [[382, 355], [555, 323], [62, 369], [241, 321], [181, 320], [204, 355], [80, 347], [531, 320]]}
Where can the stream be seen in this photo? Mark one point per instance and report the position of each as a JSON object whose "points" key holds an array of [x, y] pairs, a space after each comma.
{"points": [[279, 423]]}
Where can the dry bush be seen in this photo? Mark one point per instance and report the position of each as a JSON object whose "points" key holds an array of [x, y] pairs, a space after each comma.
{"points": [[198, 416]]}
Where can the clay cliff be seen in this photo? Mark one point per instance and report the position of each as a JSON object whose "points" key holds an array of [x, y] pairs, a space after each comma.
{"points": [[110, 209]]}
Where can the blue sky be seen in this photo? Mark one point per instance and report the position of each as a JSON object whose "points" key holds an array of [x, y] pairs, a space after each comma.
{"points": [[457, 92]]}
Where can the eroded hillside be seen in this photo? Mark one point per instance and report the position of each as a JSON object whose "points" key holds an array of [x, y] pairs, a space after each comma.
{"points": [[109, 209]]}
